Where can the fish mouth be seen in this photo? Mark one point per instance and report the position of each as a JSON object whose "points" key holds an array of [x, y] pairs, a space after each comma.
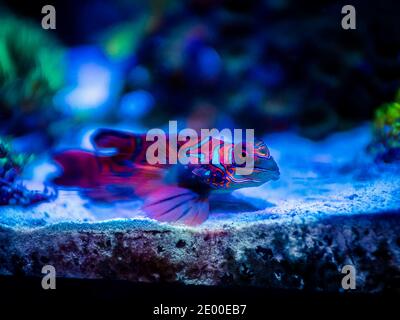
{"points": [[269, 168], [263, 171], [272, 173]]}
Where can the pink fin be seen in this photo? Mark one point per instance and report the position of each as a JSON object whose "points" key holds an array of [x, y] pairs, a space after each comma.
{"points": [[174, 204]]}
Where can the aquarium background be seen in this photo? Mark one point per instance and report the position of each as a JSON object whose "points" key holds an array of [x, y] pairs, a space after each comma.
{"points": [[326, 101], [268, 65]]}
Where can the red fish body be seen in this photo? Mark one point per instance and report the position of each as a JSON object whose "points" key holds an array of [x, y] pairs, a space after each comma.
{"points": [[118, 169]]}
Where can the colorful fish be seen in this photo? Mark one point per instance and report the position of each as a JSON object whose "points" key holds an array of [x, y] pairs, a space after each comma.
{"points": [[119, 170]]}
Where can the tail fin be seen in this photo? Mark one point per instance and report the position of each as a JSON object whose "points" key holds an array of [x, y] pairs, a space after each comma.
{"points": [[79, 169], [103, 178]]}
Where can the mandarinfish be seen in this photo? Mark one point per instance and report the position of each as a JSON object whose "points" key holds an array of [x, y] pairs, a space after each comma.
{"points": [[118, 169]]}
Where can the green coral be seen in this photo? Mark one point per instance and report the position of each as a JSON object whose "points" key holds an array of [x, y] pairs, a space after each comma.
{"points": [[31, 66], [122, 40], [387, 132]]}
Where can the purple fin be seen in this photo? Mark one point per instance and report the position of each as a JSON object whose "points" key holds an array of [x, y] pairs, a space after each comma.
{"points": [[174, 204]]}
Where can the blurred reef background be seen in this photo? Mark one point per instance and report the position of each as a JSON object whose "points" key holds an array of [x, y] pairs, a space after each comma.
{"points": [[269, 65]]}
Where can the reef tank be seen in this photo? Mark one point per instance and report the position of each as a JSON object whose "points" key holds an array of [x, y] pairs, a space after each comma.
{"points": [[200, 159]]}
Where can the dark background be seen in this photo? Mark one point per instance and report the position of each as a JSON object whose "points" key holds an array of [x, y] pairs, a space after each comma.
{"points": [[306, 73], [77, 298]]}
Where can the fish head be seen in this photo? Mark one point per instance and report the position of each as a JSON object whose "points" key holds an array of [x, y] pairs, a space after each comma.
{"points": [[249, 166], [253, 167]]}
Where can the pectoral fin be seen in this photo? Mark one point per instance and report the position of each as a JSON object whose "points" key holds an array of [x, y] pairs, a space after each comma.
{"points": [[175, 204]]}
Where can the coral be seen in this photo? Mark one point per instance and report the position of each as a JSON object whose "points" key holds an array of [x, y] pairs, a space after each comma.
{"points": [[13, 192], [386, 143]]}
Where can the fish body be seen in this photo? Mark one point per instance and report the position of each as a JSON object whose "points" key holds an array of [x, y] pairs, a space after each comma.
{"points": [[119, 169]]}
